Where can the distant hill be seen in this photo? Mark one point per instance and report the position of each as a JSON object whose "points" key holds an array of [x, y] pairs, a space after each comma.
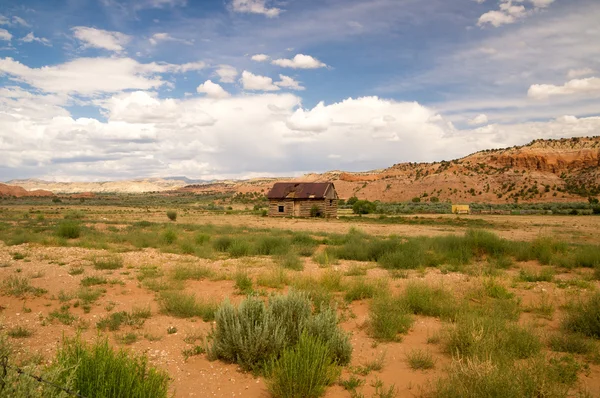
{"points": [[543, 171], [19, 192], [126, 186]]}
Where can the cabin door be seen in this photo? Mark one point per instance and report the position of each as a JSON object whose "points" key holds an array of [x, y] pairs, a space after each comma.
{"points": [[296, 209]]}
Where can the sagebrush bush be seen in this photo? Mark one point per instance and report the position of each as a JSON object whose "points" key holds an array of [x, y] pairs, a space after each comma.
{"points": [[302, 371], [102, 372], [68, 229], [253, 334]]}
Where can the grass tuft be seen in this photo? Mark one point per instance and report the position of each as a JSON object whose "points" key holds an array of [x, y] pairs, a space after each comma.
{"points": [[302, 371], [420, 360]]}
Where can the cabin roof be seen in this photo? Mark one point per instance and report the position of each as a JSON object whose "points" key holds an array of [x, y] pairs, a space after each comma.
{"points": [[299, 190]]}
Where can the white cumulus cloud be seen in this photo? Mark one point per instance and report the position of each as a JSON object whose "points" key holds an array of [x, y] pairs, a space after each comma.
{"points": [[212, 90], [288, 82], [255, 7], [91, 76], [477, 120], [511, 11], [99, 38], [260, 57], [574, 73], [20, 21], [300, 61], [590, 85], [5, 35], [165, 37], [30, 37], [226, 73], [254, 82]]}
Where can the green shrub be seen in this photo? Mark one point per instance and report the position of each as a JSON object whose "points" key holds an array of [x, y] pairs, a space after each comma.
{"points": [[19, 332], [422, 299], [363, 207], [291, 261], [587, 256], [172, 215], [475, 378], [108, 263], [388, 316], [114, 321], [484, 337], [419, 359], [361, 289], [169, 236], [584, 317], [269, 245], [408, 255], [93, 280], [302, 371], [102, 372], [571, 343], [19, 286], [68, 229], [243, 283], [222, 243], [183, 305], [545, 275], [239, 248]]}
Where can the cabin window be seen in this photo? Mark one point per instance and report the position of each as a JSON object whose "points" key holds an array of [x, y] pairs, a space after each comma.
{"points": [[281, 209], [330, 202]]}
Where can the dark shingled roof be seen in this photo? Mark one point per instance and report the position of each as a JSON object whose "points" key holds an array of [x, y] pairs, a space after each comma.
{"points": [[299, 190]]}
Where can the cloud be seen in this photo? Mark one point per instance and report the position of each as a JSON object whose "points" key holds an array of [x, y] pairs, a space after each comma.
{"points": [[98, 38], [143, 135], [260, 57], [479, 119], [573, 73], [226, 73], [164, 37], [542, 3], [20, 21], [590, 85], [288, 82], [300, 61], [254, 82], [4, 20], [212, 90], [509, 13], [255, 7], [30, 37], [5, 35], [92, 76]]}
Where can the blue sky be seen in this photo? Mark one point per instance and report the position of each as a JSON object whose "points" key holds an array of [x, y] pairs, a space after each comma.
{"points": [[112, 89]]}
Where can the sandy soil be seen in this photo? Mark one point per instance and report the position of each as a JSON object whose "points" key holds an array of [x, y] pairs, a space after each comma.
{"points": [[198, 377]]}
